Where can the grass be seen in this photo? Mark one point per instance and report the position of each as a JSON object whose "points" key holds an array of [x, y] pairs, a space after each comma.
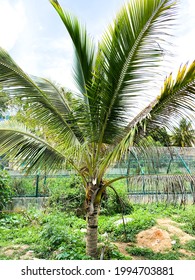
{"points": [[58, 235], [151, 255]]}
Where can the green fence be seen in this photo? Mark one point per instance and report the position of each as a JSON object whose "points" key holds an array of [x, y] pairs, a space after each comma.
{"points": [[36, 185], [156, 171]]}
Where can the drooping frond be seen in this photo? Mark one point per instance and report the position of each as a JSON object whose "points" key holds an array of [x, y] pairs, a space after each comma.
{"points": [[27, 150], [48, 104], [127, 63], [84, 48], [176, 100]]}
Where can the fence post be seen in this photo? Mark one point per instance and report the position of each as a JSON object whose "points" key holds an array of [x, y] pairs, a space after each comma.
{"points": [[37, 186]]}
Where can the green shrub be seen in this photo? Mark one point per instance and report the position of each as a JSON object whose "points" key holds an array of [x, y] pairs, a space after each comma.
{"points": [[67, 194], [110, 251], [140, 221], [5, 189], [188, 218], [61, 238], [23, 186]]}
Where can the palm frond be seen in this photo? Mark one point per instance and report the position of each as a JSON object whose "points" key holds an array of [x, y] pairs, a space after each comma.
{"points": [[47, 102], [127, 62], [167, 183], [84, 48], [176, 100], [28, 150]]}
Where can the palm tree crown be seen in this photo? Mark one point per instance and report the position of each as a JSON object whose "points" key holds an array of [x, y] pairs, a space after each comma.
{"points": [[184, 134], [97, 127]]}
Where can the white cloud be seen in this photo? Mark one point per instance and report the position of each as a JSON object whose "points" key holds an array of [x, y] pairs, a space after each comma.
{"points": [[53, 59], [12, 22]]}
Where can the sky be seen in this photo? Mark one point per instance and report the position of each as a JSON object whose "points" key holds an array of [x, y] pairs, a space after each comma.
{"points": [[33, 34]]}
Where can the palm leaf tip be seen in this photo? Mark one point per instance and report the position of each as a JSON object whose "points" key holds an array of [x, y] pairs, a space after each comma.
{"points": [[83, 46], [54, 2]]}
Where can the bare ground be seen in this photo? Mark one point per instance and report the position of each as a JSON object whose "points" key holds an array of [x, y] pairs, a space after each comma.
{"points": [[21, 252]]}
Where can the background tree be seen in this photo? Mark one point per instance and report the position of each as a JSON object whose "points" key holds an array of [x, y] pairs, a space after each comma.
{"points": [[98, 127], [183, 135], [161, 135], [4, 98]]}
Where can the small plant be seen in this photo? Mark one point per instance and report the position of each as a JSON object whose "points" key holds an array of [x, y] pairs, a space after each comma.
{"points": [[188, 218], [61, 237], [110, 251], [175, 243]]}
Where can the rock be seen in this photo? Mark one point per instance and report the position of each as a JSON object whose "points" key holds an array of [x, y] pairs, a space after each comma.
{"points": [[126, 220]]}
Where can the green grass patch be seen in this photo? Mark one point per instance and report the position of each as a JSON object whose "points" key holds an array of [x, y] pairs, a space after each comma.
{"points": [[148, 254]]}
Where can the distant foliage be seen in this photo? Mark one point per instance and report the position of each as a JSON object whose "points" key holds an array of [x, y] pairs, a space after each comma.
{"points": [[5, 189]]}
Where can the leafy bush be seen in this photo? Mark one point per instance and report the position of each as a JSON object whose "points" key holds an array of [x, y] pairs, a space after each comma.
{"points": [[61, 238], [111, 252], [187, 217], [141, 220], [67, 194], [5, 189], [132, 228]]}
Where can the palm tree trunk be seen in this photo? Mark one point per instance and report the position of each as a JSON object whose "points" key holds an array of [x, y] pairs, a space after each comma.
{"points": [[92, 232]]}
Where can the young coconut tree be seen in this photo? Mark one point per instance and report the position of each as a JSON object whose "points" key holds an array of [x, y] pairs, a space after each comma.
{"points": [[184, 134], [97, 127]]}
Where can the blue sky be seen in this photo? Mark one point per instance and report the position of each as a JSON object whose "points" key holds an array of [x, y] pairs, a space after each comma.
{"points": [[33, 34]]}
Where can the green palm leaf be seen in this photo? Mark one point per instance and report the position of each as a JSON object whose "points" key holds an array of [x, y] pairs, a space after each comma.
{"points": [[48, 104], [84, 49], [28, 150], [176, 98], [127, 63]]}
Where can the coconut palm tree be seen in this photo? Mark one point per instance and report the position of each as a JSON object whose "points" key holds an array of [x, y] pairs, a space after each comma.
{"points": [[184, 134], [114, 106]]}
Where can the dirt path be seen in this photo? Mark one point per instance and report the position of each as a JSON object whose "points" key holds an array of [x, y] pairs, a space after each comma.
{"points": [[18, 252]]}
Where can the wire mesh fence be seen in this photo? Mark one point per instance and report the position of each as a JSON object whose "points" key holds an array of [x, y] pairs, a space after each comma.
{"points": [[36, 185], [166, 172]]}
